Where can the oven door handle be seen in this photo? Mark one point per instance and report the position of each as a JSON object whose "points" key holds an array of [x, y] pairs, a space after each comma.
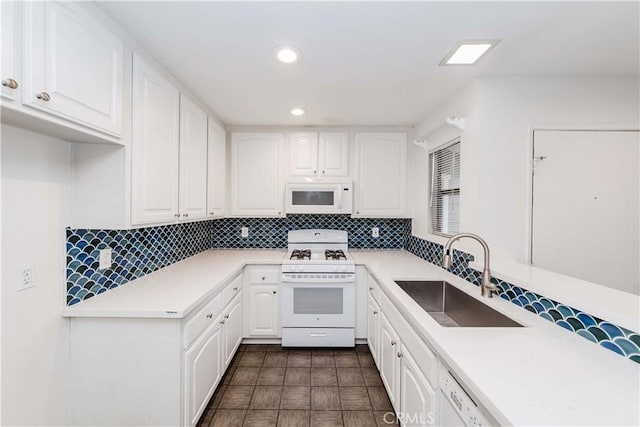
{"points": [[318, 334]]}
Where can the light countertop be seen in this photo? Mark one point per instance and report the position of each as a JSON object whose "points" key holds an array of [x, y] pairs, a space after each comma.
{"points": [[539, 375], [173, 291]]}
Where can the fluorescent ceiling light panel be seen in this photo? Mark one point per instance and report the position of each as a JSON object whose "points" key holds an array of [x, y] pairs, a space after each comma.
{"points": [[298, 111], [468, 52]]}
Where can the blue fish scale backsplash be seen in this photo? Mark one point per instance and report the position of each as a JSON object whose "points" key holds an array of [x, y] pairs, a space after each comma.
{"points": [[136, 253], [272, 232], [615, 338], [141, 251]]}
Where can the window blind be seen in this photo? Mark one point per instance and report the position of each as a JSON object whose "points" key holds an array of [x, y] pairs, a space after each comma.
{"points": [[444, 196]]}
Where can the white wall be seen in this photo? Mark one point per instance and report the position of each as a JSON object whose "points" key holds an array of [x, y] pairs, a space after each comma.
{"points": [[495, 195], [36, 200]]}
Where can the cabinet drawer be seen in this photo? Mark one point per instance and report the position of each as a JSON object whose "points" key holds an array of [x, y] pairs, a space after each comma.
{"points": [[264, 275], [195, 324], [231, 290], [373, 287], [317, 337]]}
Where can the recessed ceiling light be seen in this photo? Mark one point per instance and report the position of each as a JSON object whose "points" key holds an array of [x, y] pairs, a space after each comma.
{"points": [[288, 54], [298, 111], [468, 52]]}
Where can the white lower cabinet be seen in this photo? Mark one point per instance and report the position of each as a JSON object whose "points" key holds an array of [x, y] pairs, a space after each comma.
{"points": [[202, 371], [262, 299], [417, 406], [232, 321], [407, 367], [389, 363], [373, 328]]}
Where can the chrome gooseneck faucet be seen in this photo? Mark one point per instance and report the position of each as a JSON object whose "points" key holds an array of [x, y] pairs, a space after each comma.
{"points": [[486, 288]]}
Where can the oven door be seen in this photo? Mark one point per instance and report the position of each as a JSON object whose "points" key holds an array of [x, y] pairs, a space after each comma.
{"points": [[320, 304], [314, 198]]}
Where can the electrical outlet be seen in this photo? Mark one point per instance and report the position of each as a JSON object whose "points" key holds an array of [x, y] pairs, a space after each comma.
{"points": [[105, 259], [26, 277], [245, 232], [375, 232]]}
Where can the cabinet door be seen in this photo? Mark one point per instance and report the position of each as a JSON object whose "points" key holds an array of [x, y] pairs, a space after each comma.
{"points": [[417, 397], [216, 169], [9, 61], [264, 310], [373, 328], [203, 370], [193, 160], [256, 184], [154, 146], [380, 178], [232, 328], [303, 153], [389, 359], [333, 154], [73, 66]]}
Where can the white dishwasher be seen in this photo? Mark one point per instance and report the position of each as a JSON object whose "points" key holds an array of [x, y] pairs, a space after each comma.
{"points": [[457, 408]]}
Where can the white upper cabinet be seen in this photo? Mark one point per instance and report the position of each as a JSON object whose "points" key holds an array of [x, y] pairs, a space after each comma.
{"points": [[216, 170], [193, 160], [333, 154], [326, 155], [154, 146], [380, 175], [9, 61], [256, 183], [72, 66], [303, 150]]}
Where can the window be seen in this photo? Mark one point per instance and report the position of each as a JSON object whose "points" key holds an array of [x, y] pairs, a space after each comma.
{"points": [[444, 200]]}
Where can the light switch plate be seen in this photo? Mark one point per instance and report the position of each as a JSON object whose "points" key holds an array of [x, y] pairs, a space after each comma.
{"points": [[105, 259], [245, 232], [375, 232], [26, 277]]}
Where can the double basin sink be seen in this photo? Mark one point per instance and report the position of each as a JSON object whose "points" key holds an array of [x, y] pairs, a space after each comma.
{"points": [[451, 307]]}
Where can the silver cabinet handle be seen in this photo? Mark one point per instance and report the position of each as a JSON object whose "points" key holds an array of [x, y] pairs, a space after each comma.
{"points": [[393, 342], [10, 83], [370, 288], [177, 215], [274, 292], [400, 354], [209, 316], [314, 172], [185, 215], [222, 322], [44, 96], [375, 312], [279, 212], [358, 212], [323, 172], [263, 277], [226, 316], [235, 289]]}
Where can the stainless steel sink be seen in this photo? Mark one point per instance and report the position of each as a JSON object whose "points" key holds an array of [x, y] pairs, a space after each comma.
{"points": [[451, 307]]}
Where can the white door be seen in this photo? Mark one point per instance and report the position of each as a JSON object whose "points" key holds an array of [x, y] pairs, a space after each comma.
{"points": [[232, 328], [333, 154], [203, 370], [10, 71], [154, 146], [303, 153], [216, 169], [417, 397], [193, 160], [264, 310], [73, 66], [380, 178], [256, 184], [373, 328], [389, 360], [586, 206]]}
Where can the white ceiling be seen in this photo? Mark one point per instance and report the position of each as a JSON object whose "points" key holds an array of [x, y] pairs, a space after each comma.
{"points": [[370, 63]]}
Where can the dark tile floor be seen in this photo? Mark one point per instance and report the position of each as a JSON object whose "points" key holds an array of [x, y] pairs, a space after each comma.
{"points": [[267, 385]]}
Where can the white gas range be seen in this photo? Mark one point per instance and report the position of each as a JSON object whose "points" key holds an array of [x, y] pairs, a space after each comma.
{"points": [[318, 290]]}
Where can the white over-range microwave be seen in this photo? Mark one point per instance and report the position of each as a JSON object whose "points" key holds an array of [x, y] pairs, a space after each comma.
{"points": [[319, 198]]}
